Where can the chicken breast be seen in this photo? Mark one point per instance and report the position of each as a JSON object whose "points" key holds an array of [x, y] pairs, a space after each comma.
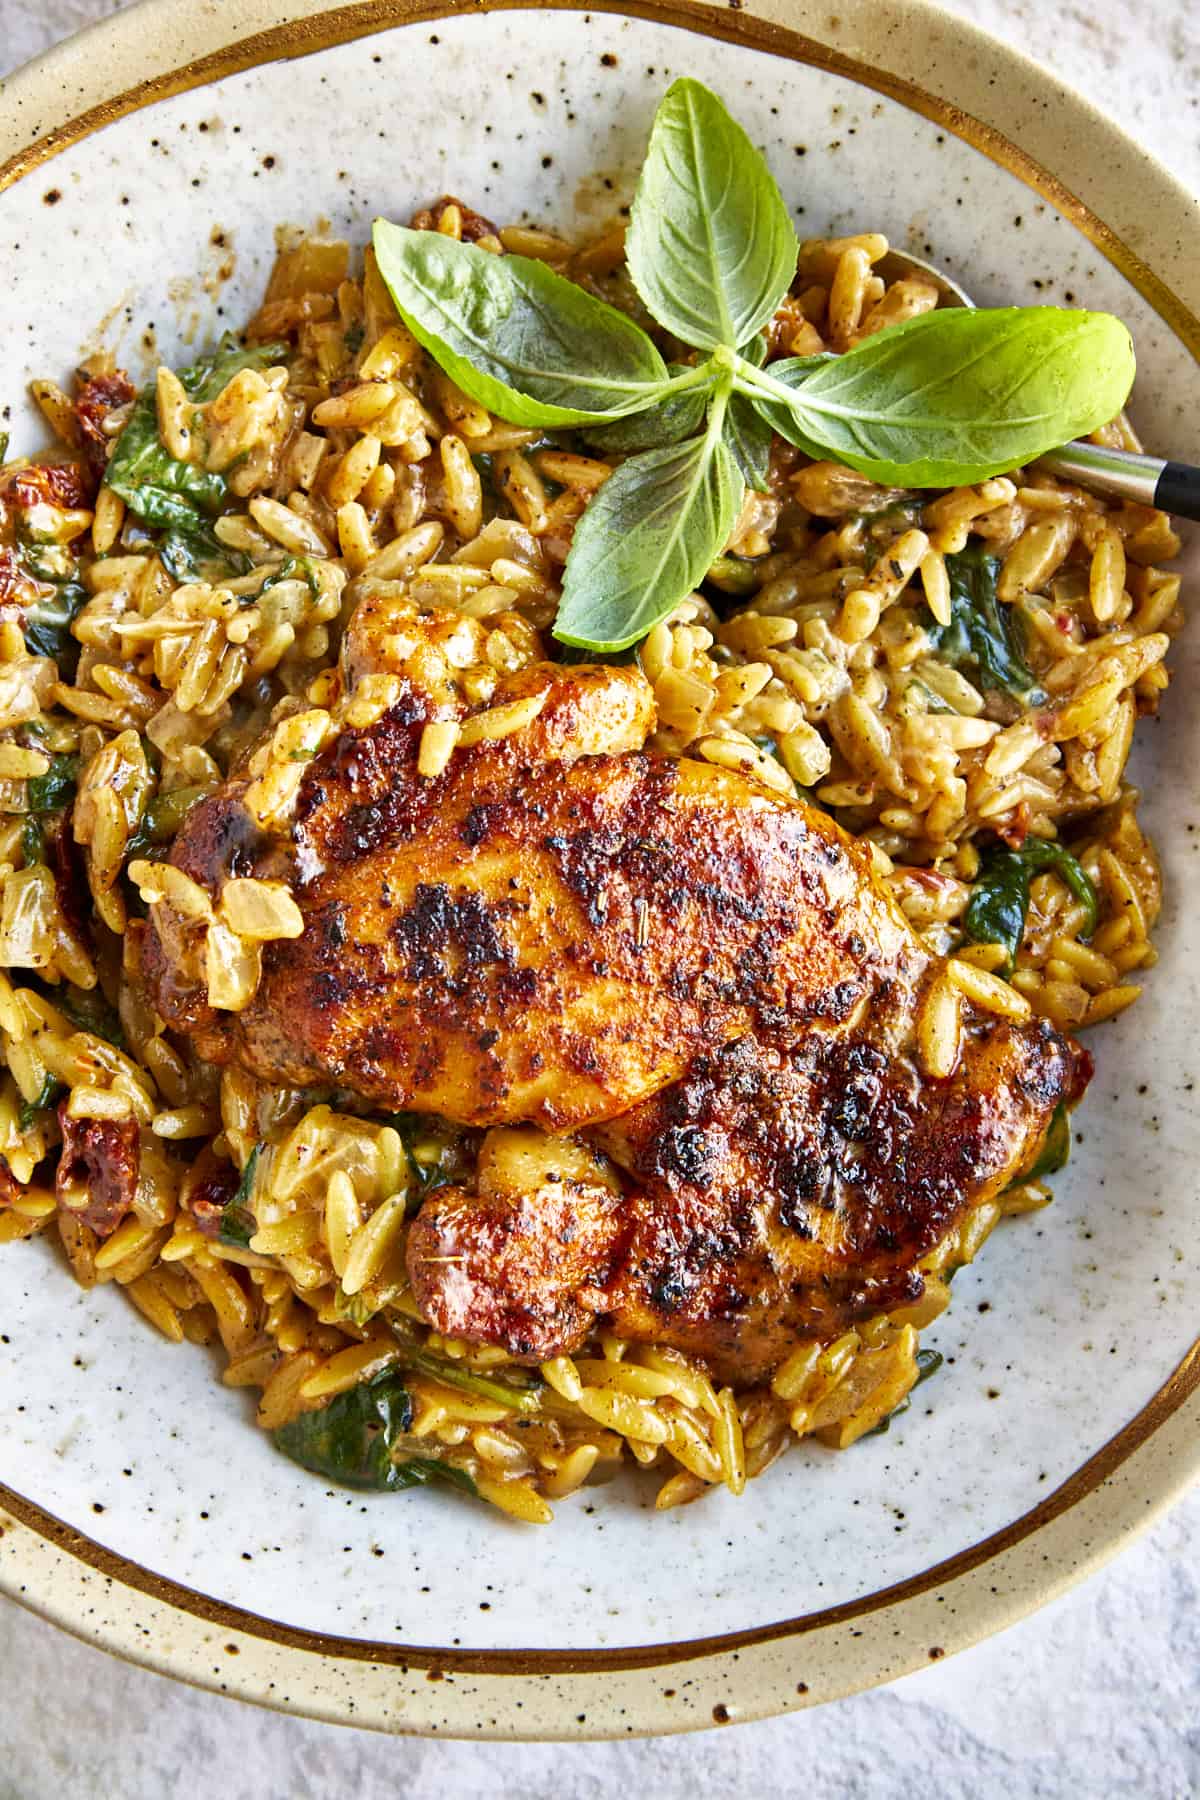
{"points": [[562, 933], [544, 932], [775, 1195]]}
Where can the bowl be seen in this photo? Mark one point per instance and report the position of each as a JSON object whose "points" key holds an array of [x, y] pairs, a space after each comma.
{"points": [[149, 163]]}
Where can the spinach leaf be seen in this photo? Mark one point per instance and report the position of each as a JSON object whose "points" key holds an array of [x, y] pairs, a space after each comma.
{"points": [[524, 342], [33, 840], [999, 903], [178, 497], [982, 632], [449, 1165], [352, 1440], [89, 1010], [928, 1363], [161, 818], [56, 788], [293, 568], [452, 1374], [956, 395], [238, 1223], [735, 575], [1055, 1152], [50, 1090], [197, 553], [650, 535], [46, 626], [710, 246]]}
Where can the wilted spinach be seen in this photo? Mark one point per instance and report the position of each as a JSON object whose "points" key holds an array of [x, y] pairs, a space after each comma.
{"points": [[238, 1223], [46, 626], [999, 903], [175, 497], [88, 1008], [928, 1363], [49, 1092], [1055, 1152], [982, 633], [161, 818], [352, 1440], [56, 788]]}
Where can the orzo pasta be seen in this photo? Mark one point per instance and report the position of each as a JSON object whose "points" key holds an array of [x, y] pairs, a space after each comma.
{"points": [[215, 585]]}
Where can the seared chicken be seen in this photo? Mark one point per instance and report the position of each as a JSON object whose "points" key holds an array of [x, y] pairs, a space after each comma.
{"points": [[562, 930]]}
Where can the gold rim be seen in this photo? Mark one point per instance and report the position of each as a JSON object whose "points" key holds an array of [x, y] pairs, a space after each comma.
{"points": [[308, 36], [344, 24], [1179, 1386]]}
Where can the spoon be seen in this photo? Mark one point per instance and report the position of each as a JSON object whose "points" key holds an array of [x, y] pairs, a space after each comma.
{"points": [[1173, 487]]}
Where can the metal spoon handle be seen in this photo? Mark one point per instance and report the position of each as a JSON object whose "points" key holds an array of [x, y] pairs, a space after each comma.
{"points": [[1148, 480]]}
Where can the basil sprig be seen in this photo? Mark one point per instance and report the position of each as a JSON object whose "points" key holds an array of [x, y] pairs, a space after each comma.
{"points": [[942, 401]]}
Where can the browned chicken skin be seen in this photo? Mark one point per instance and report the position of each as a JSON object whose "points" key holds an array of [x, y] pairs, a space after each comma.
{"points": [[708, 981]]}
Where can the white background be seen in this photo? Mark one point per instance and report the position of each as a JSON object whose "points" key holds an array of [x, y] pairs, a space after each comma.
{"points": [[1098, 1695]]}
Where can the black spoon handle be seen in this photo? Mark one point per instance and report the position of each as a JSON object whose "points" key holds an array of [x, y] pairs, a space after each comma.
{"points": [[1173, 486]]}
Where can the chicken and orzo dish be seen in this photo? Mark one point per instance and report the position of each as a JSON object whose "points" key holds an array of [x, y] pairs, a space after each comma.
{"points": [[561, 805]]}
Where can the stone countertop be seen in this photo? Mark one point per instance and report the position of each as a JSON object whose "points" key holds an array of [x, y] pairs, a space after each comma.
{"points": [[1097, 1694]]}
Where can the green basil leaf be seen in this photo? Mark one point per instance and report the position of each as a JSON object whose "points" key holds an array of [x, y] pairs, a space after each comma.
{"points": [[748, 436], [983, 633], [957, 395], [527, 344], [668, 422], [999, 903], [646, 540], [710, 247]]}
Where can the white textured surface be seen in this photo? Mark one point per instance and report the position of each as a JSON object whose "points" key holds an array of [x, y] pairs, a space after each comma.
{"points": [[1096, 1695]]}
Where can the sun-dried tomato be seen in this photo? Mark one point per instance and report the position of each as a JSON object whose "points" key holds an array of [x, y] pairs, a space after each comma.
{"points": [[97, 398], [67, 485], [215, 1188], [104, 1153], [474, 225]]}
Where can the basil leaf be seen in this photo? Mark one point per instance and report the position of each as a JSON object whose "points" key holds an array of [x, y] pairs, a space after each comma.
{"points": [[163, 492], [957, 395], [647, 539], [748, 436], [999, 903], [238, 1223], [982, 632], [527, 344], [710, 248], [667, 422]]}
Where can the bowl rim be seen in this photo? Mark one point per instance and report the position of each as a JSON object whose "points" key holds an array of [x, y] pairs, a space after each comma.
{"points": [[1146, 224]]}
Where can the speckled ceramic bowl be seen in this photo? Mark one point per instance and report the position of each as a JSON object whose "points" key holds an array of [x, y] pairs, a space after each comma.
{"points": [[150, 161]]}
